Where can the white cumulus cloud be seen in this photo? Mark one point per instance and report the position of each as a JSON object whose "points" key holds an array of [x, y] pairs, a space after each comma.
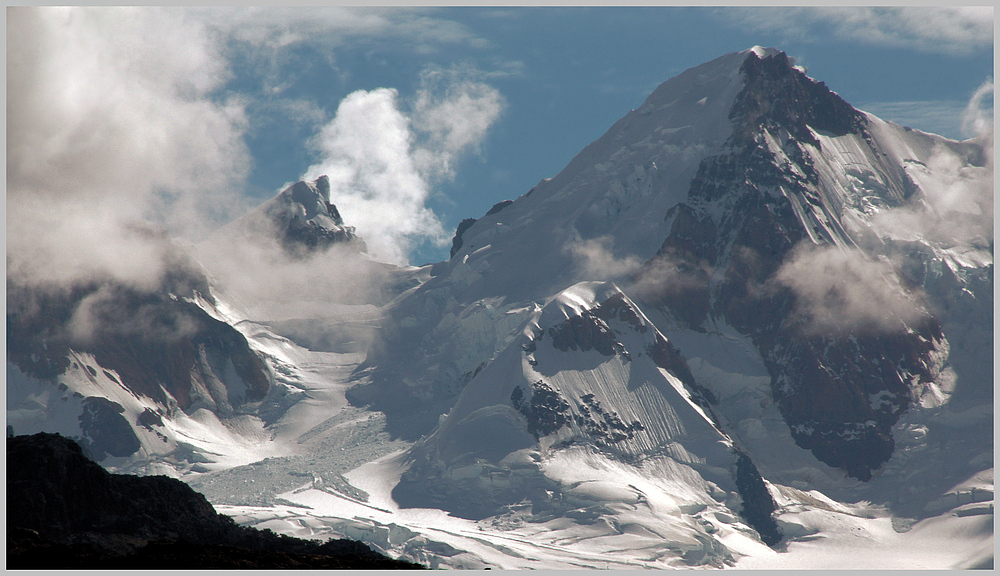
{"points": [[383, 161]]}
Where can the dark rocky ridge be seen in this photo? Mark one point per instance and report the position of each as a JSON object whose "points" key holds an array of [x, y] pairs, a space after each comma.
{"points": [[456, 242], [65, 511], [822, 384]]}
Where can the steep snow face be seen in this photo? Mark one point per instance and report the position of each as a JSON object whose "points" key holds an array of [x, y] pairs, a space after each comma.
{"points": [[589, 383], [620, 185], [587, 348]]}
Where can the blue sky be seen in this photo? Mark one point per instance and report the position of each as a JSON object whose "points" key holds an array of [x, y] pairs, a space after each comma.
{"points": [[221, 106]]}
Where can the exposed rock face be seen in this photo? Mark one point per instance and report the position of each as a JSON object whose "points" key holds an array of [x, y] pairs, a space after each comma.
{"points": [[604, 427], [736, 229], [585, 332], [456, 242], [758, 505], [546, 411], [65, 511], [105, 430], [776, 95]]}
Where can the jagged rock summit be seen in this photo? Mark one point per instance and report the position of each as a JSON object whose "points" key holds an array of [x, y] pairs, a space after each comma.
{"points": [[305, 220]]}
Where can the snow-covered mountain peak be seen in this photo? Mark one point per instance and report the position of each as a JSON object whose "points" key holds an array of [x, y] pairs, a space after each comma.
{"points": [[309, 201], [576, 300], [762, 52], [622, 184], [589, 383]]}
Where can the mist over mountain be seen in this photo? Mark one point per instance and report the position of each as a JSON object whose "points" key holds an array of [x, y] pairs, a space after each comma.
{"points": [[747, 324]]}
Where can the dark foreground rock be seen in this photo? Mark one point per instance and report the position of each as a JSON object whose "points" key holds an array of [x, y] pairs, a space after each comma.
{"points": [[65, 511]]}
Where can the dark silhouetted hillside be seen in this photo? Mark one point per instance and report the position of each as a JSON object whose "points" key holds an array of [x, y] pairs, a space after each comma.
{"points": [[65, 511]]}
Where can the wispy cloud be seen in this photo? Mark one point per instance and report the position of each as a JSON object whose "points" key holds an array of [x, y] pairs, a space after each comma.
{"points": [[956, 204], [954, 30], [452, 112], [594, 259], [842, 291], [977, 118], [956, 119], [335, 26]]}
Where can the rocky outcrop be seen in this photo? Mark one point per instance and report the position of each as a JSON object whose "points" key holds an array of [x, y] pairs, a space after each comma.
{"points": [[456, 242], [545, 410], [105, 431], [603, 427], [65, 511], [306, 221], [758, 505], [777, 95]]}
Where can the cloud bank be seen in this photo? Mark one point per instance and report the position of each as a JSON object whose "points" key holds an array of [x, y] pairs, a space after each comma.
{"points": [[116, 120], [106, 129], [275, 27]]}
